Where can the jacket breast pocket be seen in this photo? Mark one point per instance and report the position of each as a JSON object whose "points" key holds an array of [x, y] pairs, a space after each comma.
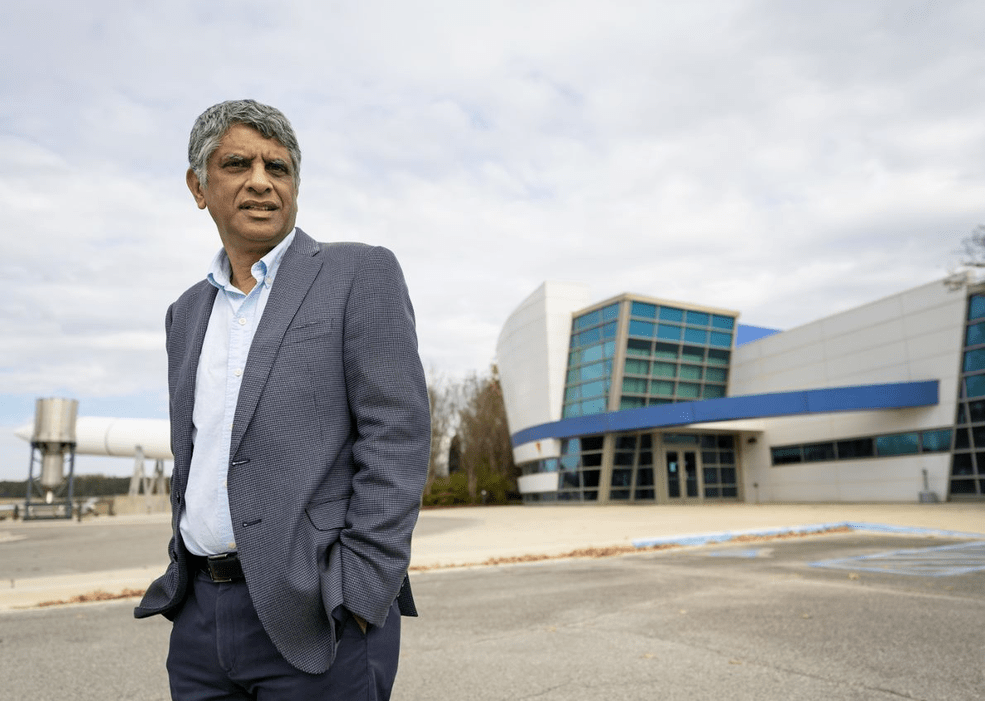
{"points": [[307, 331]]}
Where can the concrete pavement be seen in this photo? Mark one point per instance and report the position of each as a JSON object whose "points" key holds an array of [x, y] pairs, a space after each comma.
{"points": [[757, 621], [445, 538], [481, 534]]}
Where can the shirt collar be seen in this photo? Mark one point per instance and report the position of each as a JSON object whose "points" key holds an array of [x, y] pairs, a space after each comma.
{"points": [[264, 270]]}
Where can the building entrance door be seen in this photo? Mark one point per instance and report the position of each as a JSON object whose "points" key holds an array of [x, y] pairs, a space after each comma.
{"points": [[682, 474]]}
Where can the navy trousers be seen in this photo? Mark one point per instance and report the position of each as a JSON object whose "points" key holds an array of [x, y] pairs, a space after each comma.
{"points": [[220, 652]]}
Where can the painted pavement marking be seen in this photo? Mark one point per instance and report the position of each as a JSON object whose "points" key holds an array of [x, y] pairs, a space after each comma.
{"points": [[940, 561], [725, 536], [746, 553]]}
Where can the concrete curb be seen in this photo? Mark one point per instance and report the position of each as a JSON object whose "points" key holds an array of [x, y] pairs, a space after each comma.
{"points": [[30, 592], [725, 536]]}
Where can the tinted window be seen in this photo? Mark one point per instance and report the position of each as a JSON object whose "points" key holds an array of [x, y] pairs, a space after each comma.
{"points": [[858, 448]]}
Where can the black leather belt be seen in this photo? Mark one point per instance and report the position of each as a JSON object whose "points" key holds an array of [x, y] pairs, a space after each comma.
{"points": [[220, 568]]}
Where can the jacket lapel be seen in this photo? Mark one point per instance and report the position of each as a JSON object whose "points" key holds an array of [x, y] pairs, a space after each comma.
{"points": [[183, 400], [294, 278]]}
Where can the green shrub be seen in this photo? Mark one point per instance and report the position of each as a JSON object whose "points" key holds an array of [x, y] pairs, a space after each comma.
{"points": [[454, 490]]}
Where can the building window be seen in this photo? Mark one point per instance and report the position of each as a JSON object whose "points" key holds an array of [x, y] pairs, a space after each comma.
{"points": [[900, 444], [623, 462], [671, 314], [632, 468], [855, 448], [787, 455], [667, 343], [889, 445], [968, 461], [718, 472], [580, 465], [936, 441], [664, 344], [590, 362], [819, 452]]}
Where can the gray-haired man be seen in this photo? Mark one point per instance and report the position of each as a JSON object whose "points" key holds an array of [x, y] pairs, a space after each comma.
{"points": [[299, 426]]}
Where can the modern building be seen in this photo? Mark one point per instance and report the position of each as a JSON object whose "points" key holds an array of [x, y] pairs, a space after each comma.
{"points": [[639, 399]]}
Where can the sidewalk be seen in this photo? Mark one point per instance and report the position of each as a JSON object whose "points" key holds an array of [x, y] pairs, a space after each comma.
{"points": [[476, 535], [472, 536]]}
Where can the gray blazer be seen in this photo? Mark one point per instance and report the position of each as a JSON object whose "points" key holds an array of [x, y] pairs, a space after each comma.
{"points": [[329, 448]]}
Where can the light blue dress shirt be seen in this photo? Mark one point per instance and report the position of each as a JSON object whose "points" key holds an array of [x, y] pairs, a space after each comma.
{"points": [[206, 526]]}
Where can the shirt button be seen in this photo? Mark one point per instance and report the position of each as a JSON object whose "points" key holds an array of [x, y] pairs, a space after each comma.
{"points": [[232, 545], [242, 321], [268, 279], [237, 372]]}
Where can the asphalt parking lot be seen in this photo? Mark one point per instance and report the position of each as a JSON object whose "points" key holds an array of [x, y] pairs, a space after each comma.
{"points": [[844, 616], [43, 549]]}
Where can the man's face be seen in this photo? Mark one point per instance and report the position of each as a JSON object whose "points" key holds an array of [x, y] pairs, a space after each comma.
{"points": [[250, 193]]}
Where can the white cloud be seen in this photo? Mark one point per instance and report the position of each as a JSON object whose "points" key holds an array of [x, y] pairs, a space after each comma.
{"points": [[784, 159]]}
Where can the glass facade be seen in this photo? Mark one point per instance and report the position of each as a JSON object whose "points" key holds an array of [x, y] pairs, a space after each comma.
{"points": [[645, 467], [590, 357], [968, 461], [632, 353], [718, 467], [632, 469], [671, 354], [581, 466], [674, 355]]}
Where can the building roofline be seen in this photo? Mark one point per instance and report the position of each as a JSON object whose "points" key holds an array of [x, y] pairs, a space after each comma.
{"points": [[659, 301]]}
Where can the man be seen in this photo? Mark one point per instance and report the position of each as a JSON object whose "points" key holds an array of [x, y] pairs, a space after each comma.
{"points": [[299, 427]]}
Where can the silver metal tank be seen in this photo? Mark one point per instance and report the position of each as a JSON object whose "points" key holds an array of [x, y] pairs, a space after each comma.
{"points": [[54, 436]]}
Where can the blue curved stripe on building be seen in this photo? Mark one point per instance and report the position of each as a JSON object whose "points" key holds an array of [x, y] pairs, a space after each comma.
{"points": [[897, 395]]}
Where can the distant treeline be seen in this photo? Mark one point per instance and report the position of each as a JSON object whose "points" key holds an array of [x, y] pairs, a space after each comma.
{"points": [[84, 486]]}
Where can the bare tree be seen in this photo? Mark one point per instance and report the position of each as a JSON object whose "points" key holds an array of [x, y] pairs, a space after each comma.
{"points": [[469, 438], [971, 255], [972, 249], [442, 396], [483, 432]]}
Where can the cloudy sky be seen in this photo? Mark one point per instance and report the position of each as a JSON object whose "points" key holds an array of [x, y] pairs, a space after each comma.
{"points": [[788, 159]]}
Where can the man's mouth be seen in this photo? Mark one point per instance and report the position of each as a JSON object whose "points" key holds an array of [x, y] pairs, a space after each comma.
{"points": [[259, 206]]}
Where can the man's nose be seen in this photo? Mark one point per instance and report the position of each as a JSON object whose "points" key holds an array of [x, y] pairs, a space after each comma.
{"points": [[259, 179]]}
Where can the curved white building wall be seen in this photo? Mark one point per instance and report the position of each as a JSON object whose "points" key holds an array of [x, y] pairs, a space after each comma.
{"points": [[532, 357], [540, 482], [911, 336]]}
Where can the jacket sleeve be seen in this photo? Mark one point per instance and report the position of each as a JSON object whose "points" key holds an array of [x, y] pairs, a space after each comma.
{"points": [[167, 591], [389, 407]]}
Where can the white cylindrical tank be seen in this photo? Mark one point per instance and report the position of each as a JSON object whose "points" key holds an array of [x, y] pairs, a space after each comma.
{"points": [[101, 435], [104, 435]]}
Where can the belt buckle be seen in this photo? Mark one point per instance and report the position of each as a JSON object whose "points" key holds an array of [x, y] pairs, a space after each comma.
{"points": [[218, 558]]}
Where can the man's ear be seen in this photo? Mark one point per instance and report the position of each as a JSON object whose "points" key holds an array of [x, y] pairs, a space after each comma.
{"points": [[196, 188]]}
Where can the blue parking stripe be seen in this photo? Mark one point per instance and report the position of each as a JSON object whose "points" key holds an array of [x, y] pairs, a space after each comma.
{"points": [[725, 536], [940, 561]]}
